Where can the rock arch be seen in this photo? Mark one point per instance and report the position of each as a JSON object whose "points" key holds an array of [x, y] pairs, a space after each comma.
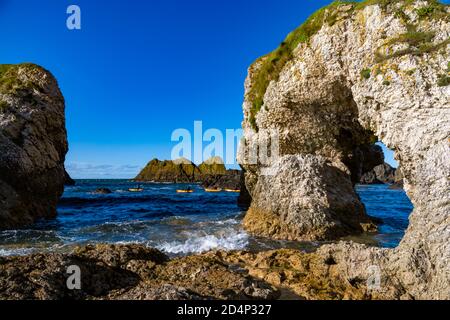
{"points": [[368, 69]]}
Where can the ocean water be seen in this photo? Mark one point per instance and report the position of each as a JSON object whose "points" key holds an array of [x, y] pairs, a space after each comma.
{"points": [[176, 223]]}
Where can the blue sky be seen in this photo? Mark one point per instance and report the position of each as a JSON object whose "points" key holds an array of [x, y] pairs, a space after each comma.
{"points": [[137, 70]]}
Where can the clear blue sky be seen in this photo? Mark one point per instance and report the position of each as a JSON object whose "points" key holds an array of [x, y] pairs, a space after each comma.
{"points": [[137, 70]]}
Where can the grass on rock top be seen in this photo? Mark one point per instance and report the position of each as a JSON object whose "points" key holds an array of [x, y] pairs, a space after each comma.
{"points": [[272, 64], [9, 81]]}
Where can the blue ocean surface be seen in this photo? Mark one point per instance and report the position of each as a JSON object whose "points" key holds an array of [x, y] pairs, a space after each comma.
{"points": [[176, 223]]}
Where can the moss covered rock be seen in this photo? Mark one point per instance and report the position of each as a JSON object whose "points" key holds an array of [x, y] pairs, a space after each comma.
{"points": [[181, 170]]}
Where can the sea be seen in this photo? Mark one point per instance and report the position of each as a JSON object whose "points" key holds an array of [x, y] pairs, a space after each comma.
{"points": [[176, 223]]}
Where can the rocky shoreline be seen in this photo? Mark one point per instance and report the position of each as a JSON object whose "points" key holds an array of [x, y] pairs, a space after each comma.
{"points": [[135, 272], [127, 272]]}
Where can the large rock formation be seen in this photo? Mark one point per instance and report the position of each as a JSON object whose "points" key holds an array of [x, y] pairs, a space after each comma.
{"points": [[181, 170], [353, 70], [382, 174], [307, 199], [33, 144]]}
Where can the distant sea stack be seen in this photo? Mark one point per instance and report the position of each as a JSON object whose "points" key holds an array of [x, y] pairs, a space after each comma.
{"points": [[212, 166], [33, 144], [181, 170], [382, 174], [177, 171]]}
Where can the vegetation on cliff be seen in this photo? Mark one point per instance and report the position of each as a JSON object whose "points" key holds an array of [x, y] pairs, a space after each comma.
{"points": [[213, 166], [181, 170], [269, 67], [10, 81]]}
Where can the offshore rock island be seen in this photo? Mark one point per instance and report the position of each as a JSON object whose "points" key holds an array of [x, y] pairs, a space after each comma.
{"points": [[211, 173], [352, 74]]}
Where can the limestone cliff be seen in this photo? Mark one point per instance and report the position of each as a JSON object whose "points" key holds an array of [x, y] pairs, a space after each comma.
{"points": [[351, 72], [33, 144]]}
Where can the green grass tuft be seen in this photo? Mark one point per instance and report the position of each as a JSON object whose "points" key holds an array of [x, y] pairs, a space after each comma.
{"points": [[365, 73], [443, 80], [413, 38], [10, 82], [434, 10], [3, 105], [386, 83], [419, 44]]}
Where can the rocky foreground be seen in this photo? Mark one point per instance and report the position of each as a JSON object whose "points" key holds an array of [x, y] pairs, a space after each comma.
{"points": [[137, 272]]}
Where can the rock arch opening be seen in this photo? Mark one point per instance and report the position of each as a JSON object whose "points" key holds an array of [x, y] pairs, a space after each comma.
{"points": [[381, 192]]}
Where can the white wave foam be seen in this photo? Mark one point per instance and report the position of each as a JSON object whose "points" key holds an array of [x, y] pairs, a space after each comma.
{"points": [[41, 248], [16, 252], [232, 240]]}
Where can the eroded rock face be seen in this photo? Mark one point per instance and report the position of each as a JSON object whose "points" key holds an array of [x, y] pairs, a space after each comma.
{"points": [[321, 203], [367, 69], [33, 144]]}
